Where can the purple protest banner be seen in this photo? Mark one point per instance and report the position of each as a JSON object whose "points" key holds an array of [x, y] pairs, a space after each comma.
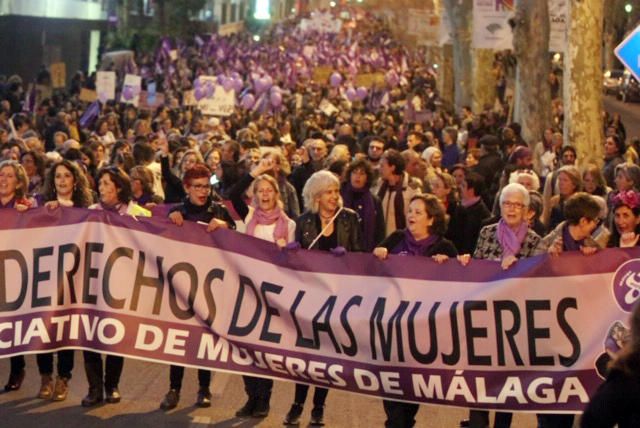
{"points": [[533, 338]]}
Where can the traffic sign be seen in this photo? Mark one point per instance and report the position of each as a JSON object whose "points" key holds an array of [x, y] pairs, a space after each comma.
{"points": [[628, 52]]}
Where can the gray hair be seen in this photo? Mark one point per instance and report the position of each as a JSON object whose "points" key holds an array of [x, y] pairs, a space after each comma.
{"points": [[315, 185], [512, 188]]}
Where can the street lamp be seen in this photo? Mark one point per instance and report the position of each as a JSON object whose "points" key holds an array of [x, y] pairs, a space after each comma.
{"points": [[628, 7], [332, 4]]}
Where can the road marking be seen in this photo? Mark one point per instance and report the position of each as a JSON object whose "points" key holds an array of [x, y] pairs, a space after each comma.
{"points": [[198, 421]]}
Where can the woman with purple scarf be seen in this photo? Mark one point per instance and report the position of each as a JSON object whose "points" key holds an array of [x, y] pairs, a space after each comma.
{"points": [[264, 219], [506, 241], [424, 236], [356, 194]]}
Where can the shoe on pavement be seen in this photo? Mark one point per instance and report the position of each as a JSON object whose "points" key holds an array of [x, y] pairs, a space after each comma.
{"points": [[112, 396], [170, 400], [293, 417], [246, 410], [46, 387], [61, 389], [261, 410], [15, 381], [317, 416], [93, 397], [204, 398]]}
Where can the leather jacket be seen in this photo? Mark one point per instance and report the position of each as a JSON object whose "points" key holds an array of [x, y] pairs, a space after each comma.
{"points": [[346, 224]]}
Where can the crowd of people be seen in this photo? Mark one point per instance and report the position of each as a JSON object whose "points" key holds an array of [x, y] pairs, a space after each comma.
{"points": [[385, 170]]}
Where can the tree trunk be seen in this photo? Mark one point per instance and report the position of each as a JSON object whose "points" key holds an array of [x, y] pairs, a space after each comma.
{"points": [[532, 107], [583, 81], [484, 82], [460, 14], [445, 74]]}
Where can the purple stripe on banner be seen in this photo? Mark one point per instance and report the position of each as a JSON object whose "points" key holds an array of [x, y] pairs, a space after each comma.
{"points": [[197, 346], [570, 263]]}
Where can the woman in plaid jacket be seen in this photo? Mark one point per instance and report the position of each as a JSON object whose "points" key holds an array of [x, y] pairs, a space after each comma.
{"points": [[506, 241]]}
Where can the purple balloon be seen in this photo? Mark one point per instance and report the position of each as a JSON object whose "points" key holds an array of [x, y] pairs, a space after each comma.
{"points": [[237, 84], [198, 93], [261, 85], [276, 98], [236, 75], [248, 101], [127, 93], [335, 79], [361, 93], [221, 79], [351, 94], [197, 84], [228, 84], [209, 89]]}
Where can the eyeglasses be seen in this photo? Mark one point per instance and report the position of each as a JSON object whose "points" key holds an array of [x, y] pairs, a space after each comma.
{"points": [[201, 187], [515, 205]]}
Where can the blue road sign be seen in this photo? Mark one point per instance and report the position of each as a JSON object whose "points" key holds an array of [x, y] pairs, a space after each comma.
{"points": [[628, 52]]}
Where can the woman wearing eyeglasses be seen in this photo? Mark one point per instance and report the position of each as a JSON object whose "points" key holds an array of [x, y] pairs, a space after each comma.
{"points": [[506, 241], [197, 206], [266, 219]]}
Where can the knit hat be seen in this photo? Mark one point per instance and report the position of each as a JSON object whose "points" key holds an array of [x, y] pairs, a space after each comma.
{"points": [[428, 153], [520, 152]]}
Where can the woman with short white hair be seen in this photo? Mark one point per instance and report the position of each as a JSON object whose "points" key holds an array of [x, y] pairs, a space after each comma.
{"points": [[506, 241], [527, 178], [326, 226]]}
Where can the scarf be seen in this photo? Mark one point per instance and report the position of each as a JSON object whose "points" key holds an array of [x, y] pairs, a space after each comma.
{"points": [[276, 216], [398, 202], [119, 208], [410, 246], [511, 241], [362, 202]]}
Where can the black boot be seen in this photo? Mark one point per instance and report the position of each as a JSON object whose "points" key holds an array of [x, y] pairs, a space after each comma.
{"points": [[293, 417]]}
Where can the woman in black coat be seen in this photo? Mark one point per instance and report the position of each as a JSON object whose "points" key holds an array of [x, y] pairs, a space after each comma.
{"points": [[198, 206], [424, 236], [326, 226]]}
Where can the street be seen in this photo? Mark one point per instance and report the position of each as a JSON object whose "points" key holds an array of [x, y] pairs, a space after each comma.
{"points": [[630, 113], [144, 384]]}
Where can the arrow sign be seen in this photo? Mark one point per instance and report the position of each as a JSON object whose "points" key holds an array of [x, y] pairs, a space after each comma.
{"points": [[628, 52]]}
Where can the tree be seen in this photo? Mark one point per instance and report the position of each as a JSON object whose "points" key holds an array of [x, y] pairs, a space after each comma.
{"points": [[484, 82], [583, 80], [532, 107], [460, 15]]}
